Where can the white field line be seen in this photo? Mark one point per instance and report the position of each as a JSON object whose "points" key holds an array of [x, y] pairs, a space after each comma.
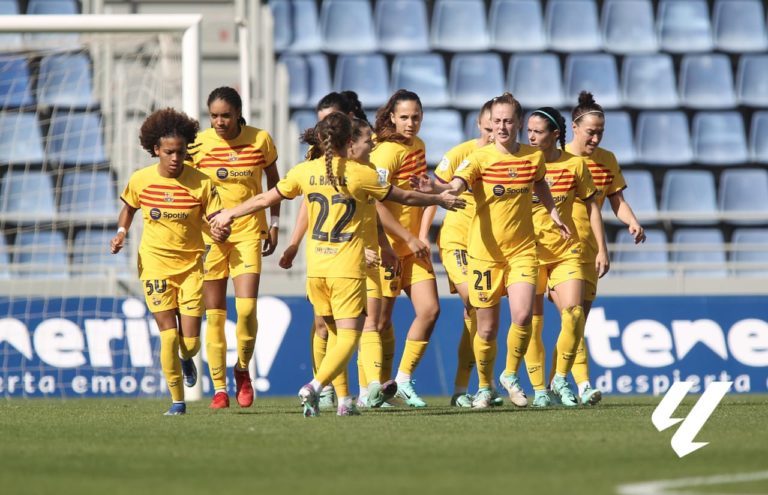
{"points": [[669, 487]]}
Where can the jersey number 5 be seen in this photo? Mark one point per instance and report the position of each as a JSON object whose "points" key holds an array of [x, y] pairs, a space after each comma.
{"points": [[336, 234]]}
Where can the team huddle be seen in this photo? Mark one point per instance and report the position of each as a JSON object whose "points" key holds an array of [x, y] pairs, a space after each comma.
{"points": [[523, 221]]}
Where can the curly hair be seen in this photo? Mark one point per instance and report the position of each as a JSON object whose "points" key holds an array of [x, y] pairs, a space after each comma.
{"points": [[167, 123], [555, 122], [383, 126]]}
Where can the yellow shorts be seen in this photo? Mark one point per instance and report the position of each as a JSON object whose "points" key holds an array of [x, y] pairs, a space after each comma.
{"points": [[183, 292], [488, 280], [589, 273], [455, 263], [553, 274], [340, 298], [412, 270], [373, 282], [232, 259]]}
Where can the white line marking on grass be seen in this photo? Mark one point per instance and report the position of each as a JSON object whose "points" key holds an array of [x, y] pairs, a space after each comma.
{"points": [[663, 487]]}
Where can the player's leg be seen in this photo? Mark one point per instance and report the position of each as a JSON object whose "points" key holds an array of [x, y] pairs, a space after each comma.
{"points": [[371, 353], [570, 296], [189, 289], [215, 299], [580, 371], [390, 289], [322, 342], [535, 356], [455, 263]]}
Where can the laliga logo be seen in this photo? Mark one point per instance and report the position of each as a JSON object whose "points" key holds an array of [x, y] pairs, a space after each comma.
{"points": [[682, 441]]}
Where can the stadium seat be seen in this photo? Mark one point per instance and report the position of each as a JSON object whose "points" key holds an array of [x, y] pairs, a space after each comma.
{"points": [[347, 26], [641, 196], [5, 258], [596, 73], [752, 80], [683, 26], [88, 192], [709, 248], [509, 18], [52, 7], [45, 251], [648, 81], [304, 119], [739, 26], [282, 31], [750, 246], [649, 253], [15, 83], [28, 194], [475, 79], [459, 26], [10, 41], [744, 191], [470, 125], [758, 137], [662, 138], [563, 35], [685, 192], [423, 74], [627, 26], [75, 139], [401, 26], [719, 138], [319, 77], [305, 27], [706, 82], [298, 79], [440, 131], [90, 255], [367, 75], [65, 81], [536, 80], [20, 139], [618, 137], [49, 7]]}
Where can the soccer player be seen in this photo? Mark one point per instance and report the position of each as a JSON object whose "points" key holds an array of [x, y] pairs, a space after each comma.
{"points": [[502, 245], [336, 191], [235, 156], [560, 264], [175, 202]]}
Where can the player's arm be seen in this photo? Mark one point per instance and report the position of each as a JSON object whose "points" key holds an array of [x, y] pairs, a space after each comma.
{"points": [[249, 206], [448, 199], [270, 244], [302, 224], [388, 256], [393, 228], [602, 261], [426, 223], [124, 222], [624, 212], [541, 189]]}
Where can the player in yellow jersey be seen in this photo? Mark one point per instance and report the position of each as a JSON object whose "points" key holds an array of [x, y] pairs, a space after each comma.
{"points": [[588, 127], [336, 191], [560, 266], [502, 244], [175, 202], [235, 156]]}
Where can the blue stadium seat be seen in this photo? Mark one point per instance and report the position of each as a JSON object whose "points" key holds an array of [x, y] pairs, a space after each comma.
{"points": [[5, 258], [470, 125], [304, 119], [648, 81], [710, 249], [347, 26], [596, 73], [20, 139], [752, 80], [719, 138], [90, 254], [319, 77], [751, 246], [440, 131], [282, 17], [628, 27], [298, 79], [758, 137], [690, 192], [15, 84], [49, 7], [641, 196], [75, 139], [475, 79], [367, 75], [509, 18], [739, 26], [560, 15], [662, 138], [88, 192], [618, 137], [45, 251], [10, 41], [536, 80], [27, 193], [744, 191], [706, 82], [683, 26], [423, 74], [459, 26], [305, 28], [650, 253], [401, 26], [65, 80]]}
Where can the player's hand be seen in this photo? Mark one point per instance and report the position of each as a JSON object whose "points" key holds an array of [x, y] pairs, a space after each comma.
{"points": [[637, 232], [418, 248], [602, 264], [450, 200], [117, 243], [372, 259], [390, 259], [565, 232], [270, 243], [221, 219], [422, 183], [286, 260], [220, 234]]}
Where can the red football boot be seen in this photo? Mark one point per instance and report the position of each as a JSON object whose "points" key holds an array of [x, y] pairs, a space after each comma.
{"points": [[244, 387], [220, 401]]}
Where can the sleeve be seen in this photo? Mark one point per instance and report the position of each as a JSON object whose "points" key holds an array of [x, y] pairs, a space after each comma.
{"points": [[212, 200], [541, 168], [386, 160], [373, 184], [195, 151], [447, 166], [469, 170], [585, 186], [290, 186], [619, 183], [269, 150], [131, 193]]}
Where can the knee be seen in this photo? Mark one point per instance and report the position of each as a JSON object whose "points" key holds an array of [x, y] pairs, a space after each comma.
{"points": [[430, 313], [522, 316], [245, 306]]}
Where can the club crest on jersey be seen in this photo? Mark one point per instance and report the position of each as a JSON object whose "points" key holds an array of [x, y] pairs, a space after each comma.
{"points": [[222, 173], [482, 296], [549, 181], [232, 156], [155, 213], [156, 301], [512, 172], [498, 190], [168, 197]]}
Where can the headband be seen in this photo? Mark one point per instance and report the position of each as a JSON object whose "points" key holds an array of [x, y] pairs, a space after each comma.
{"points": [[587, 113], [549, 117]]}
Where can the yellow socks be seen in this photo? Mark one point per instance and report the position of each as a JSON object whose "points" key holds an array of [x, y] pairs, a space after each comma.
{"points": [[169, 360], [247, 326], [412, 354], [572, 325], [580, 370], [189, 347], [388, 346], [341, 381], [362, 380], [517, 344], [371, 356], [466, 354], [338, 356], [319, 347], [216, 347], [485, 354], [536, 355]]}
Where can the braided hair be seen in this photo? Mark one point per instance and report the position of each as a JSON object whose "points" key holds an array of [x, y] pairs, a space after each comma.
{"points": [[555, 122], [329, 138]]}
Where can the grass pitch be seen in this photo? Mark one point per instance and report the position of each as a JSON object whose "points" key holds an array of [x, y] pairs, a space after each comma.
{"points": [[127, 447]]}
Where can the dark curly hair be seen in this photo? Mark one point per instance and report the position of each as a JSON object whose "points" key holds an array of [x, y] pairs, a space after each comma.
{"points": [[167, 123]]}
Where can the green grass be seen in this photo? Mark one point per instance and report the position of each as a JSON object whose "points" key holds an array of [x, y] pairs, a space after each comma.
{"points": [[110, 447]]}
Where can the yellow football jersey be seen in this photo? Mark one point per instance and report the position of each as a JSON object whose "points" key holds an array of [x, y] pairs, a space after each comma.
{"points": [[568, 178], [396, 163], [236, 166], [370, 222], [335, 244], [173, 211], [502, 185], [608, 180], [453, 233]]}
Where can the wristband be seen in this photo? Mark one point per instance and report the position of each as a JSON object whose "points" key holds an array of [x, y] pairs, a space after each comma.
{"points": [[123, 230], [274, 221]]}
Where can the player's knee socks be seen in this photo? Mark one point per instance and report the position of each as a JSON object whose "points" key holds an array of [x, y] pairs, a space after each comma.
{"points": [[536, 354], [189, 347], [216, 347], [485, 355], [169, 360], [341, 383], [247, 326], [388, 346], [572, 319], [518, 338], [371, 356], [412, 354], [466, 354], [553, 367], [338, 356], [580, 370], [362, 380], [319, 347]]}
